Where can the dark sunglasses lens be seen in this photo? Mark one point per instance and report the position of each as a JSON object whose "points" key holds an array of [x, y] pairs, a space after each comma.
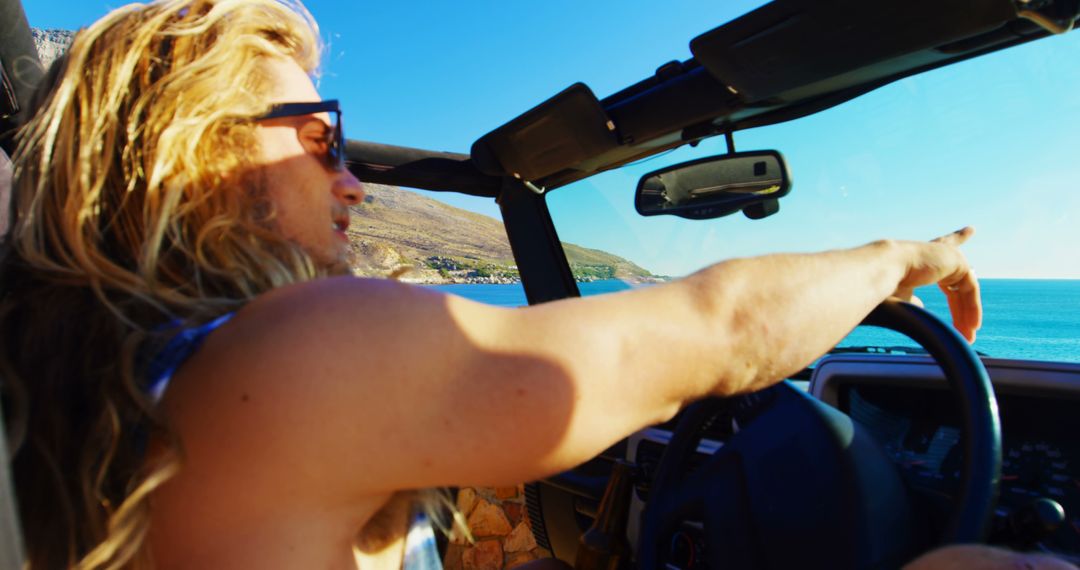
{"points": [[335, 151]]}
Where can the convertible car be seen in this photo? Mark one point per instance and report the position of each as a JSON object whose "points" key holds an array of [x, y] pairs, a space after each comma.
{"points": [[889, 446]]}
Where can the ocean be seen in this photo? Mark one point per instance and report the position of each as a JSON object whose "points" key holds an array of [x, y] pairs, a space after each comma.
{"points": [[1032, 319]]}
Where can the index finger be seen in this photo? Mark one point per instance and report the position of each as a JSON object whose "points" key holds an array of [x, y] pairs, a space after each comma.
{"points": [[956, 238], [965, 303]]}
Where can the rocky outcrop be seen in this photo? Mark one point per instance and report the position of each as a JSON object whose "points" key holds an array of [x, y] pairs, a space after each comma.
{"points": [[520, 540], [51, 44], [487, 555], [502, 538], [488, 520]]}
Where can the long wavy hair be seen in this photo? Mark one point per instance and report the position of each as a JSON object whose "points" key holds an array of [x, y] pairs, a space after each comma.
{"points": [[132, 219]]}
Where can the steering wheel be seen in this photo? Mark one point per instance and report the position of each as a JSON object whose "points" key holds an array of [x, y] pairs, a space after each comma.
{"points": [[801, 485]]}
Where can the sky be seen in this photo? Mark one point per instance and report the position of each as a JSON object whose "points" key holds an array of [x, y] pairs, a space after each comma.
{"points": [[994, 142]]}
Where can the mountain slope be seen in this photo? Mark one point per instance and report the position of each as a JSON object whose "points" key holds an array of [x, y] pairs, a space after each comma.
{"points": [[395, 228]]}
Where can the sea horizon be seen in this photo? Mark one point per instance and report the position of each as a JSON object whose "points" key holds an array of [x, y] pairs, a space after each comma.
{"points": [[1033, 319]]}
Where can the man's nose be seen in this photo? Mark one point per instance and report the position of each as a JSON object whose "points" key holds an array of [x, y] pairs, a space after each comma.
{"points": [[349, 190]]}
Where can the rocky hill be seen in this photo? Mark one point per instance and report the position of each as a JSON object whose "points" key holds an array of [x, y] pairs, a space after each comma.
{"points": [[51, 44], [396, 229]]}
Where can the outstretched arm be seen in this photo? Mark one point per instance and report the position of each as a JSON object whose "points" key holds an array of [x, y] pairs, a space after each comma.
{"points": [[347, 387]]}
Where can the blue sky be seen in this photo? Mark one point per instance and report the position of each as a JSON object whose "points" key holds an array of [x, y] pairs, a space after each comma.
{"points": [[994, 142]]}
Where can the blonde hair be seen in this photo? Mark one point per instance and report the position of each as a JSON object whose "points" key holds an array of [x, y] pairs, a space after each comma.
{"points": [[132, 211]]}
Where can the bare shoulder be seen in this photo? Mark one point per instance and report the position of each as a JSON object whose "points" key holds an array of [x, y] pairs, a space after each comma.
{"points": [[337, 304], [320, 375], [296, 333], [270, 428], [326, 328]]}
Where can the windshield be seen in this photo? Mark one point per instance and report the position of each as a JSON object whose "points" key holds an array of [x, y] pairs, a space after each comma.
{"points": [[990, 142]]}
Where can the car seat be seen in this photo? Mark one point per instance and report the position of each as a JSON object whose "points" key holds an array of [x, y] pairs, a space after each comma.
{"points": [[20, 72], [11, 546]]}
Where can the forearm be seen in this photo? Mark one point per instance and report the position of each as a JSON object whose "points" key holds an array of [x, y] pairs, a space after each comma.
{"points": [[775, 314]]}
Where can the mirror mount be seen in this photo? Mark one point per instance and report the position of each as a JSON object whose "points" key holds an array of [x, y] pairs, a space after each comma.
{"points": [[762, 209]]}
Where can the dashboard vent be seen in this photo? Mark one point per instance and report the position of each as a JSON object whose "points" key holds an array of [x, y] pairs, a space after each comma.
{"points": [[536, 516]]}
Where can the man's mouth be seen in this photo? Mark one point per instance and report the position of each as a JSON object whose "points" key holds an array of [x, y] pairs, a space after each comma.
{"points": [[340, 225]]}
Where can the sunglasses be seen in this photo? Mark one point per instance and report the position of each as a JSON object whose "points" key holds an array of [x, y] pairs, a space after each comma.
{"points": [[335, 144]]}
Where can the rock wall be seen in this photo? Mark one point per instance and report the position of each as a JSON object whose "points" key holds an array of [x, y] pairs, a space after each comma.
{"points": [[500, 528]]}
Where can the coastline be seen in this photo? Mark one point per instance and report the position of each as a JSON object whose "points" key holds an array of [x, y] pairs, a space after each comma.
{"points": [[410, 278]]}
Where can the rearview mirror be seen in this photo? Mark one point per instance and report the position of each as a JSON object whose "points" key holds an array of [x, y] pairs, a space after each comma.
{"points": [[716, 186]]}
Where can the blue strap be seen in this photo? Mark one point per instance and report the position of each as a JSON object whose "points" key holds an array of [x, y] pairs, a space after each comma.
{"points": [[421, 550], [178, 350]]}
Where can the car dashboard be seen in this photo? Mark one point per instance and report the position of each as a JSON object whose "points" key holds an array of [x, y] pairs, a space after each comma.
{"points": [[903, 402]]}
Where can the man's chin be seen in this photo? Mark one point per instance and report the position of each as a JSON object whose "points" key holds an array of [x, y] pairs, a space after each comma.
{"points": [[341, 265]]}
